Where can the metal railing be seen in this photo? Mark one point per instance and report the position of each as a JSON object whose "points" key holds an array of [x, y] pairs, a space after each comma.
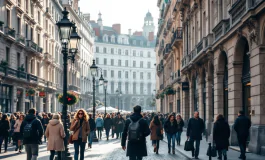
{"points": [[10, 32]]}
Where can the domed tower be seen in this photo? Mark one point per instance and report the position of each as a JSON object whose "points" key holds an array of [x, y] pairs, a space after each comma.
{"points": [[148, 24]]}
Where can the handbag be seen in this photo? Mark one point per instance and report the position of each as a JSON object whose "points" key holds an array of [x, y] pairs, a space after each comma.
{"points": [[188, 146], [159, 134], [212, 151], [70, 140]]}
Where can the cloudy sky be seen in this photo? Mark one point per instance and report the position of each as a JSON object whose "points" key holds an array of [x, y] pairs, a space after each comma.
{"points": [[129, 13]]}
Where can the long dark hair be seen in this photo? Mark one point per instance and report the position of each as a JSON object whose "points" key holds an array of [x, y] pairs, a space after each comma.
{"points": [[4, 118], [168, 118], [156, 120]]}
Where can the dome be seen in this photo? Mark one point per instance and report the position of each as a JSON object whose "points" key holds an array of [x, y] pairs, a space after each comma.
{"points": [[148, 17], [148, 14]]}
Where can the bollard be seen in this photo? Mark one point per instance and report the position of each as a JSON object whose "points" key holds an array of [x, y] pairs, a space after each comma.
{"points": [[210, 150]]}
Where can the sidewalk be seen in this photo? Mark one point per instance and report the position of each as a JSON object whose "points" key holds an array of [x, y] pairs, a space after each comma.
{"points": [[231, 154]]}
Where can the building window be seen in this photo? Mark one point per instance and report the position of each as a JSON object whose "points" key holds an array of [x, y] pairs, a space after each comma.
{"points": [[141, 75], [119, 86], [105, 73], [97, 50], [126, 52], [149, 76], [148, 54], [126, 74], [142, 88], [18, 26], [134, 63], [119, 51], [104, 50], [134, 75], [134, 53], [7, 54], [112, 50], [149, 88], [105, 61], [134, 88], [112, 87], [112, 62], [97, 61], [18, 60], [126, 87], [38, 69], [149, 64], [112, 73], [126, 63], [142, 64], [141, 54], [119, 74], [119, 62], [134, 42]]}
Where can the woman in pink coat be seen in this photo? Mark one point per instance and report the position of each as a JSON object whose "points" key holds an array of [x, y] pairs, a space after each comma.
{"points": [[55, 134]]}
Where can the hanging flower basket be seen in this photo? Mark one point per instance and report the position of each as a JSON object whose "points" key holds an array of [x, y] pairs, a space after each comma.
{"points": [[170, 91], [31, 91], [157, 96], [71, 97], [162, 95], [57, 95]]}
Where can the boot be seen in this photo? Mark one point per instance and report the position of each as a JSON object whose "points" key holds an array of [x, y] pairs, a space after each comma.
{"points": [[88, 145], [156, 150], [225, 157], [169, 150], [173, 150]]}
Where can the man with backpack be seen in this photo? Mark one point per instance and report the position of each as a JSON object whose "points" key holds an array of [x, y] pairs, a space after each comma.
{"points": [[136, 129], [32, 131]]}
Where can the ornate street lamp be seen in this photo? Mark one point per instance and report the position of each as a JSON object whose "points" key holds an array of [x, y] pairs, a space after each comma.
{"points": [[119, 94], [68, 35], [105, 88]]}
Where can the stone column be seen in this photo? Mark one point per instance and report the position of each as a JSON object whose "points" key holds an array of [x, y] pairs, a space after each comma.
{"points": [[23, 97], [53, 103], [219, 93], [13, 99], [209, 99], [200, 96], [186, 106], [191, 98], [40, 104]]}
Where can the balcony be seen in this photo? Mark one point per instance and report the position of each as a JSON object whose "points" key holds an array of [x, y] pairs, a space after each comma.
{"points": [[74, 88], [51, 85], [41, 82], [20, 39], [167, 51], [169, 23], [168, 3], [221, 28], [177, 36], [10, 33], [22, 75], [48, 12], [31, 45], [175, 77], [32, 78]]}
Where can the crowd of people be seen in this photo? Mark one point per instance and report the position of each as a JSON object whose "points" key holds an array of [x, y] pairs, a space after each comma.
{"points": [[32, 129]]}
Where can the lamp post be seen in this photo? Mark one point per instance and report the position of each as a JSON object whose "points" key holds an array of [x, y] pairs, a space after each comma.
{"points": [[119, 94], [68, 37], [105, 88]]}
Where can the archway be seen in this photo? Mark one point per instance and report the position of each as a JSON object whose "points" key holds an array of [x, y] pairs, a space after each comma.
{"points": [[242, 58]]}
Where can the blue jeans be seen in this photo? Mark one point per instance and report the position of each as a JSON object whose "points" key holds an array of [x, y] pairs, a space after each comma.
{"points": [[178, 137], [107, 132], [197, 147], [90, 137], [82, 146], [171, 137]]}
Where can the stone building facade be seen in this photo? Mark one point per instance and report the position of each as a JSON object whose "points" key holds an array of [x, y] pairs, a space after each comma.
{"points": [[127, 62], [222, 65], [31, 63]]}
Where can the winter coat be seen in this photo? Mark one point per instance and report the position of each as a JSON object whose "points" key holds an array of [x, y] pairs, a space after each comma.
{"points": [[4, 127], [76, 128], [36, 128], [221, 134], [92, 124], [136, 148], [180, 126], [55, 134], [153, 127], [107, 123], [171, 129], [119, 124], [99, 122], [45, 122], [195, 128], [241, 126]]}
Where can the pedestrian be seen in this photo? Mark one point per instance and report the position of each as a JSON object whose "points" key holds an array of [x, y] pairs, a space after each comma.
{"points": [[45, 122], [221, 134], [119, 125], [241, 126], [113, 124], [171, 127], [92, 125], [194, 132], [55, 135], [12, 121], [17, 134], [180, 123], [136, 129], [32, 131], [80, 128], [4, 128], [107, 125], [99, 125], [156, 132], [146, 118]]}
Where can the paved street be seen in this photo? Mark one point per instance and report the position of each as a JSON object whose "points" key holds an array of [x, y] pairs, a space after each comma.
{"points": [[103, 150]]}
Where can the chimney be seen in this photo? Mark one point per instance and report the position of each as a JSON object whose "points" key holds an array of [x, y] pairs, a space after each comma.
{"points": [[137, 33], [151, 36], [130, 32], [117, 28]]}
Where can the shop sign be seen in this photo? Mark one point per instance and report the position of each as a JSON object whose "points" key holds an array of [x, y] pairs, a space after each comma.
{"points": [[42, 94], [185, 86]]}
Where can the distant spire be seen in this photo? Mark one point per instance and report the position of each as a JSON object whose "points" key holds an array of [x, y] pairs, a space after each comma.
{"points": [[99, 16]]}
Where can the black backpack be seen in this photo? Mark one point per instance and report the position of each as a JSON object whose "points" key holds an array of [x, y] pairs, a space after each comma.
{"points": [[27, 132], [134, 131]]}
